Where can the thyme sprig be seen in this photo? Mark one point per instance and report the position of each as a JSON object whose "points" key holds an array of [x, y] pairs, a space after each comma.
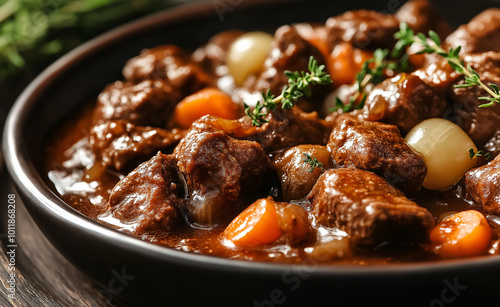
{"points": [[298, 85], [372, 72], [432, 45], [313, 162], [480, 153]]}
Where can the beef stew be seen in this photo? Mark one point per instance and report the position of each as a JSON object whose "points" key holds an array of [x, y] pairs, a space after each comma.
{"points": [[206, 188]]}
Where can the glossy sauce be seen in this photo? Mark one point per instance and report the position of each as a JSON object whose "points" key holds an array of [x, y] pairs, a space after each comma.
{"points": [[67, 153], [171, 75]]}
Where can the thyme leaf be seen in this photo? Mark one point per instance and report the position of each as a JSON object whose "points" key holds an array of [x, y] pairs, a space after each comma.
{"points": [[479, 153], [372, 72], [298, 85], [313, 162], [432, 45]]}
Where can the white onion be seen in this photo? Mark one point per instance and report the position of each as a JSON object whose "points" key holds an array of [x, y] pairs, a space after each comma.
{"points": [[445, 147], [247, 54]]}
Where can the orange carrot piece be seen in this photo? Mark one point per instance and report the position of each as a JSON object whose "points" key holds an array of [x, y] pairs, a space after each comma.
{"points": [[464, 234], [258, 224], [206, 101], [345, 62]]}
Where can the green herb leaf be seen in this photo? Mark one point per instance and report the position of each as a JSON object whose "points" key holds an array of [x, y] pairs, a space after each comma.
{"points": [[480, 153], [406, 37], [372, 72], [313, 162], [298, 86]]}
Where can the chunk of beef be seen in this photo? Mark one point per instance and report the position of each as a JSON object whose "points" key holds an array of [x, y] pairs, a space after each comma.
{"points": [[481, 34], [223, 174], [213, 55], [147, 199], [313, 32], [289, 128], [290, 52], [483, 186], [168, 63], [404, 101], [438, 74], [487, 64], [368, 208], [148, 103], [284, 130], [493, 145], [422, 16], [480, 124], [297, 177], [363, 29], [117, 143], [380, 148]]}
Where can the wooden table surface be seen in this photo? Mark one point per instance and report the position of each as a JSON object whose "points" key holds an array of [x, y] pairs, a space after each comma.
{"points": [[43, 276]]}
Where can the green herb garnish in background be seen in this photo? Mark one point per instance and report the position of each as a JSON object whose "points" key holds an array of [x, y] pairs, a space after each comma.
{"points": [[35, 32], [372, 72], [432, 45], [313, 162], [298, 86]]}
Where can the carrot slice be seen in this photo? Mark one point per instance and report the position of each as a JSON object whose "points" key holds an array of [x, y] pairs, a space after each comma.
{"points": [[345, 62], [464, 234], [206, 101], [258, 224]]}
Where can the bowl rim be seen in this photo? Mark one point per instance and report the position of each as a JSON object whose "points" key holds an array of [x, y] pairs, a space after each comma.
{"points": [[29, 182]]}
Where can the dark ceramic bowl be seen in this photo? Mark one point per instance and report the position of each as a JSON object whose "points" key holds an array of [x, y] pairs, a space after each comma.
{"points": [[148, 274]]}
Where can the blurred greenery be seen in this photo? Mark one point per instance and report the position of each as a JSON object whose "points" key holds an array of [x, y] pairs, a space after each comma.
{"points": [[35, 32]]}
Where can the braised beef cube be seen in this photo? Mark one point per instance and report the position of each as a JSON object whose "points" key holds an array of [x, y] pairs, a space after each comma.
{"points": [[379, 148], [438, 74], [284, 130], [117, 143], [147, 199], [290, 52], [481, 34], [368, 208], [483, 186], [168, 63], [296, 175], [487, 64], [363, 29], [480, 124], [236, 128], [404, 101], [422, 16], [493, 145], [313, 32], [336, 118], [148, 103], [289, 128], [223, 174], [213, 55]]}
